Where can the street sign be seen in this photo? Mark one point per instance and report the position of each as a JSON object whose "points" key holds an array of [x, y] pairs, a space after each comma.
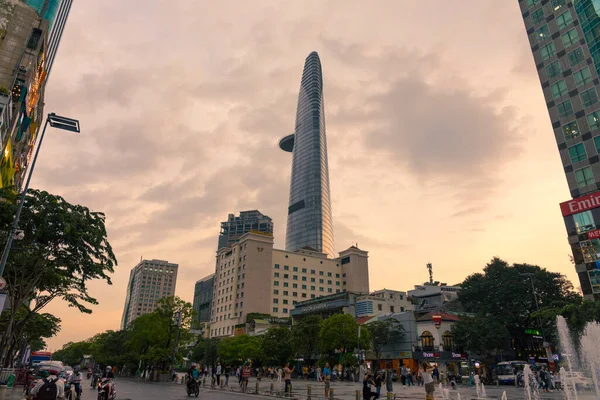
{"points": [[2, 283]]}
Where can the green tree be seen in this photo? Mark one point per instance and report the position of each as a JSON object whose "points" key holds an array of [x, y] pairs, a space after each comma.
{"points": [[484, 335], [238, 349], [503, 292], [206, 351], [73, 353], [108, 348], [276, 346], [383, 333], [64, 247], [305, 336], [340, 332]]}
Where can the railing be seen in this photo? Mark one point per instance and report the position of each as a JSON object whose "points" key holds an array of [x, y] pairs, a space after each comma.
{"points": [[19, 373]]}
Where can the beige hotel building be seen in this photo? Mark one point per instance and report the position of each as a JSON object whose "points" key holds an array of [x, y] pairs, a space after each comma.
{"points": [[253, 277]]}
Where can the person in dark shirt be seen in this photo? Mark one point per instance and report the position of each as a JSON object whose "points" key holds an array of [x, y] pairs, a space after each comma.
{"points": [[369, 394]]}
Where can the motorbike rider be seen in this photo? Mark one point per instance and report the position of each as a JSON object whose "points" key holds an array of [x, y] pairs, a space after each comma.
{"points": [[49, 388], [193, 374], [75, 379], [108, 374], [95, 376]]}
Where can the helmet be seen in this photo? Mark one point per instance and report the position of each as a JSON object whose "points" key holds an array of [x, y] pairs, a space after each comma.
{"points": [[193, 365], [108, 367], [76, 368]]}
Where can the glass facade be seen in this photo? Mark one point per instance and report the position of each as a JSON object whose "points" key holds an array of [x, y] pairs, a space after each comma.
{"points": [[309, 221], [588, 13], [49, 8]]}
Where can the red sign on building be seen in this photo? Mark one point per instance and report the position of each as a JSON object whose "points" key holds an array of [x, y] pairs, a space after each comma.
{"points": [[580, 204], [594, 234]]}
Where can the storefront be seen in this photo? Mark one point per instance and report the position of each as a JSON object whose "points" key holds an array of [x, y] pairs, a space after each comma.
{"points": [[448, 362]]}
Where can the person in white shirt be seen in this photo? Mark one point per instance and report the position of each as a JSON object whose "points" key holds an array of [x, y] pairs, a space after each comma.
{"points": [[49, 388], [426, 371]]}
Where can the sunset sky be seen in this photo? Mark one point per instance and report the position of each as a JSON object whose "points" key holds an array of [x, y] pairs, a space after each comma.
{"points": [[440, 146]]}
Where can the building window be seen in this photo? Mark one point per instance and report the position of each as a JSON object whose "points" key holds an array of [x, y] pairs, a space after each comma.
{"points": [[584, 177], [379, 307], [312, 271], [584, 222], [275, 309], [570, 130], [312, 279], [321, 289], [285, 310], [276, 274], [556, 4], [537, 16], [531, 3], [286, 276], [582, 77], [577, 153], [329, 283], [312, 296], [337, 283], [304, 295], [589, 97], [329, 274], [321, 281], [276, 266], [329, 290], [564, 109], [275, 301], [597, 144], [285, 292], [285, 284], [576, 56], [542, 34], [547, 51], [286, 267], [427, 341], [569, 38], [312, 288], [303, 270], [391, 308], [303, 286], [594, 120], [337, 275], [559, 89], [448, 342], [285, 301], [295, 285], [276, 283], [295, 294], [295, 269], [303, 279], [563, 19], [321, 273], [295, 277]]}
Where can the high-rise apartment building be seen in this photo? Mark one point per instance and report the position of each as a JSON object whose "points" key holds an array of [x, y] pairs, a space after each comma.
{"points": [[203, 294], [149, 281], [247, 221], [30, 32], [565, 41], [309, 223], [253, 277]]}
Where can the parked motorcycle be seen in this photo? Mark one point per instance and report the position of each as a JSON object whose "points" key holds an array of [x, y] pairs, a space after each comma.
{"points": [[106, 390], [193, 388]]}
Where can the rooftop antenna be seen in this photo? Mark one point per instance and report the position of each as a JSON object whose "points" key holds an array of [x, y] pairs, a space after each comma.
{"points": [[430, 268]]}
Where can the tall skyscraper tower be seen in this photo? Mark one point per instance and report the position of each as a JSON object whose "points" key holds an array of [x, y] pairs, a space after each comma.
{"points": [[309, 222], [565, 40], [149, 281]]}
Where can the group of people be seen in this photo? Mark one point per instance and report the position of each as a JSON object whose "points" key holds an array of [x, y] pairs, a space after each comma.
{"points": [[425, 376], [52, 382]]}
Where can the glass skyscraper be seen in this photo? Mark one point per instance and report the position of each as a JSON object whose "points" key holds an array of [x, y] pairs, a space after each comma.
{"points": [[49, 8], [565, 41], [309, 223]]}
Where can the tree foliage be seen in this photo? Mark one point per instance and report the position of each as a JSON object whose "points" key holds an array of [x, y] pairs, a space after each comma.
{"points": [[483, 334], [305, 335], [276, 347], [238, 349], [64, 247], [504, 293], [383, 333], [340, 332]]}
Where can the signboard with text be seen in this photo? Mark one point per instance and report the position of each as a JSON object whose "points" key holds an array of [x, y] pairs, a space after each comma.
{"points": [[580, 204]]}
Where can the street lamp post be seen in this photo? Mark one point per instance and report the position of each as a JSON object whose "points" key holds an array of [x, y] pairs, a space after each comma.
{"points": [[55, 121], [546, 345]]}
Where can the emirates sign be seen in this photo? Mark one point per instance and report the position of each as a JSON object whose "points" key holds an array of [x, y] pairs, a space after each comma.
{"points": [[594, 234], [580, 204]]}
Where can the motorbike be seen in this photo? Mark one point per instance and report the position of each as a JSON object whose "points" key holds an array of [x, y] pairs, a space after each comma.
{"points": [[69, 391], [106, 390], [193, 387], [89, 373], [94, 382]]}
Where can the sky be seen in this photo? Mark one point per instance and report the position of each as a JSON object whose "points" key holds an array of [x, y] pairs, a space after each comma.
{"points": [[440, 146]]}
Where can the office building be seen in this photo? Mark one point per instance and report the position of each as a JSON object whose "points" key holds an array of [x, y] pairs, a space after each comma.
{"points": [[149, 281], [383, 301], [253, 277], [203, 293], [565, 42], [309, 223], [26, 45], [247, 221]]}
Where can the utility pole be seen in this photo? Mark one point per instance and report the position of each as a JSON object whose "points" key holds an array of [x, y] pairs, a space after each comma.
{"points": [[430, 268], [177, 323]]}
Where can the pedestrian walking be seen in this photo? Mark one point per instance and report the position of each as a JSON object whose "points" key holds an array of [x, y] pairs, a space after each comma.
{"points": [[403, 375], [227, 373], [279, 373], [389, 384], [378, 379], [319, 378], [362, 371], [368, 392], [327, 379], [287, 377], [426, 371]]}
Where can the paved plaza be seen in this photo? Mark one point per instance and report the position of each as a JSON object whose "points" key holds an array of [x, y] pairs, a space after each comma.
{"points": [[133, 389]]}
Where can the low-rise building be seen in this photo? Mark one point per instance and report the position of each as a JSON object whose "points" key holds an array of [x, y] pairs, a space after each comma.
{"points": [[383, 302], [429, 297]]}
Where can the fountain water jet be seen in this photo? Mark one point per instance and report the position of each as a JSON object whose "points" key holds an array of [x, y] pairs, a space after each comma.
{"points": [[590, 345], [530, 383]]}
